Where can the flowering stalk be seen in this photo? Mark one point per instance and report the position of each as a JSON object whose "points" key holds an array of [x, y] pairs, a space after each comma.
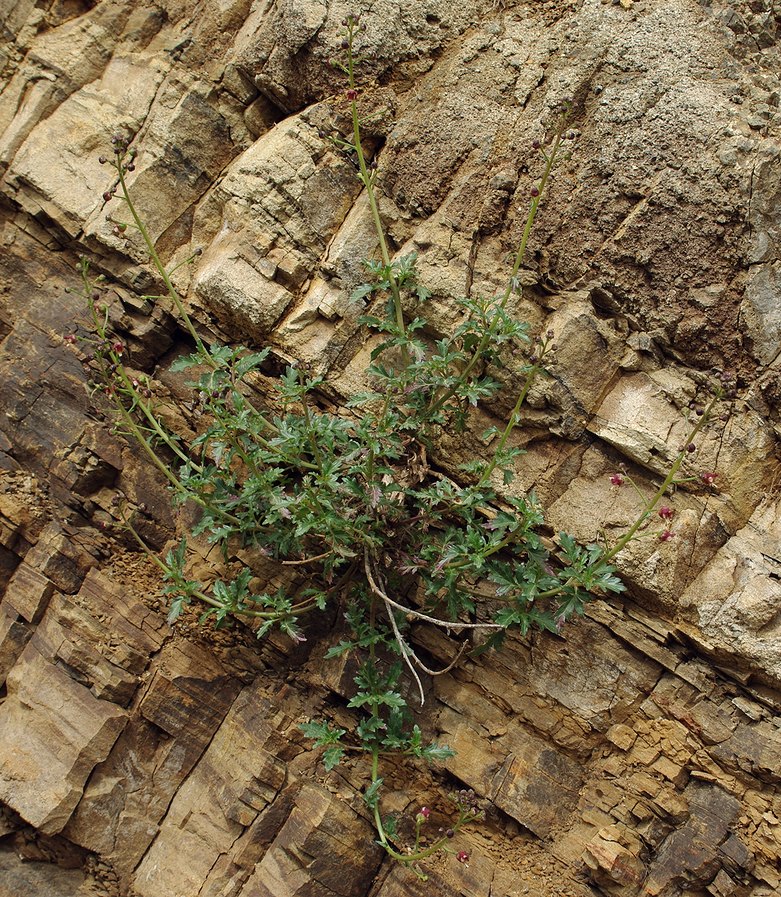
{"points": [[668, 481], [478, 354], [512, 422], [367, 177], [466, 815]]}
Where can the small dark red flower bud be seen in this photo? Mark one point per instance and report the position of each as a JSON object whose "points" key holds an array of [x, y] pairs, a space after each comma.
{"points": [[709, 477], [617, 480], [666, 513], [352, 94], [691, 447], [536, 144], [666, 535], [534, 191], [462, 856]]}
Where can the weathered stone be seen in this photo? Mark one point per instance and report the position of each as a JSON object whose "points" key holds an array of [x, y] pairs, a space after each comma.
{"points": [[612, 866], [56, 170], [611, 679], [753, 749], [760, 311], [689, 857], [63, 61], [128, 794], [102, 637], [236, 779], [14, 635], [525, 777], [28, 593], [45, 707], [314, 852], [21, 878], [723, 886], [536, 773], [251, 272], [62, 557], [708, 721], [737, 598], [190, 689]]}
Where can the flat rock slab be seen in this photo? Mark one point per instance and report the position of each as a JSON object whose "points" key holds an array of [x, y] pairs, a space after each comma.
{"points": [[53, 732]]}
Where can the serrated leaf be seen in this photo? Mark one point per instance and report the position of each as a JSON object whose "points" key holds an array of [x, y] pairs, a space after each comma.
{"points": [[360, 292], [437, 753], [183, 362], [176, 608], [390, 824], [371, 796], [332, 756], [321, 732]]}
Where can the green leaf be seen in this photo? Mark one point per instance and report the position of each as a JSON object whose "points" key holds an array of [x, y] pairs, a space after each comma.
{"points": [[362, 291], [183, 362], [332, 756], [176, 608], [322, 733], [371, 796], [437, 753], [250, 362], [507, 617], [391, 826]]}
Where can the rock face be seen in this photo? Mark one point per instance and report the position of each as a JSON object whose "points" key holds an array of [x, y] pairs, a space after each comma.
{"points": [[636, 754]]}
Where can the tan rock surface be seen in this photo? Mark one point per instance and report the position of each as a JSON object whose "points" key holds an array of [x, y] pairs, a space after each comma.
{"points": [[637, 753]]}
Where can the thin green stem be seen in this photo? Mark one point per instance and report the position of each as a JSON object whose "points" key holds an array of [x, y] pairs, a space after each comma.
{"points": [[650, 505], [666, 483], [368, 182], [511, 424], [310, 433], [485, 340], [296, 610], [170, 289], [550, 160], [157, 262]]}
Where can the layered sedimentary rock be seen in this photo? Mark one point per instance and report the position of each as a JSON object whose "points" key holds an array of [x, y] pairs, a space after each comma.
{"points": [[635, 754]]}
